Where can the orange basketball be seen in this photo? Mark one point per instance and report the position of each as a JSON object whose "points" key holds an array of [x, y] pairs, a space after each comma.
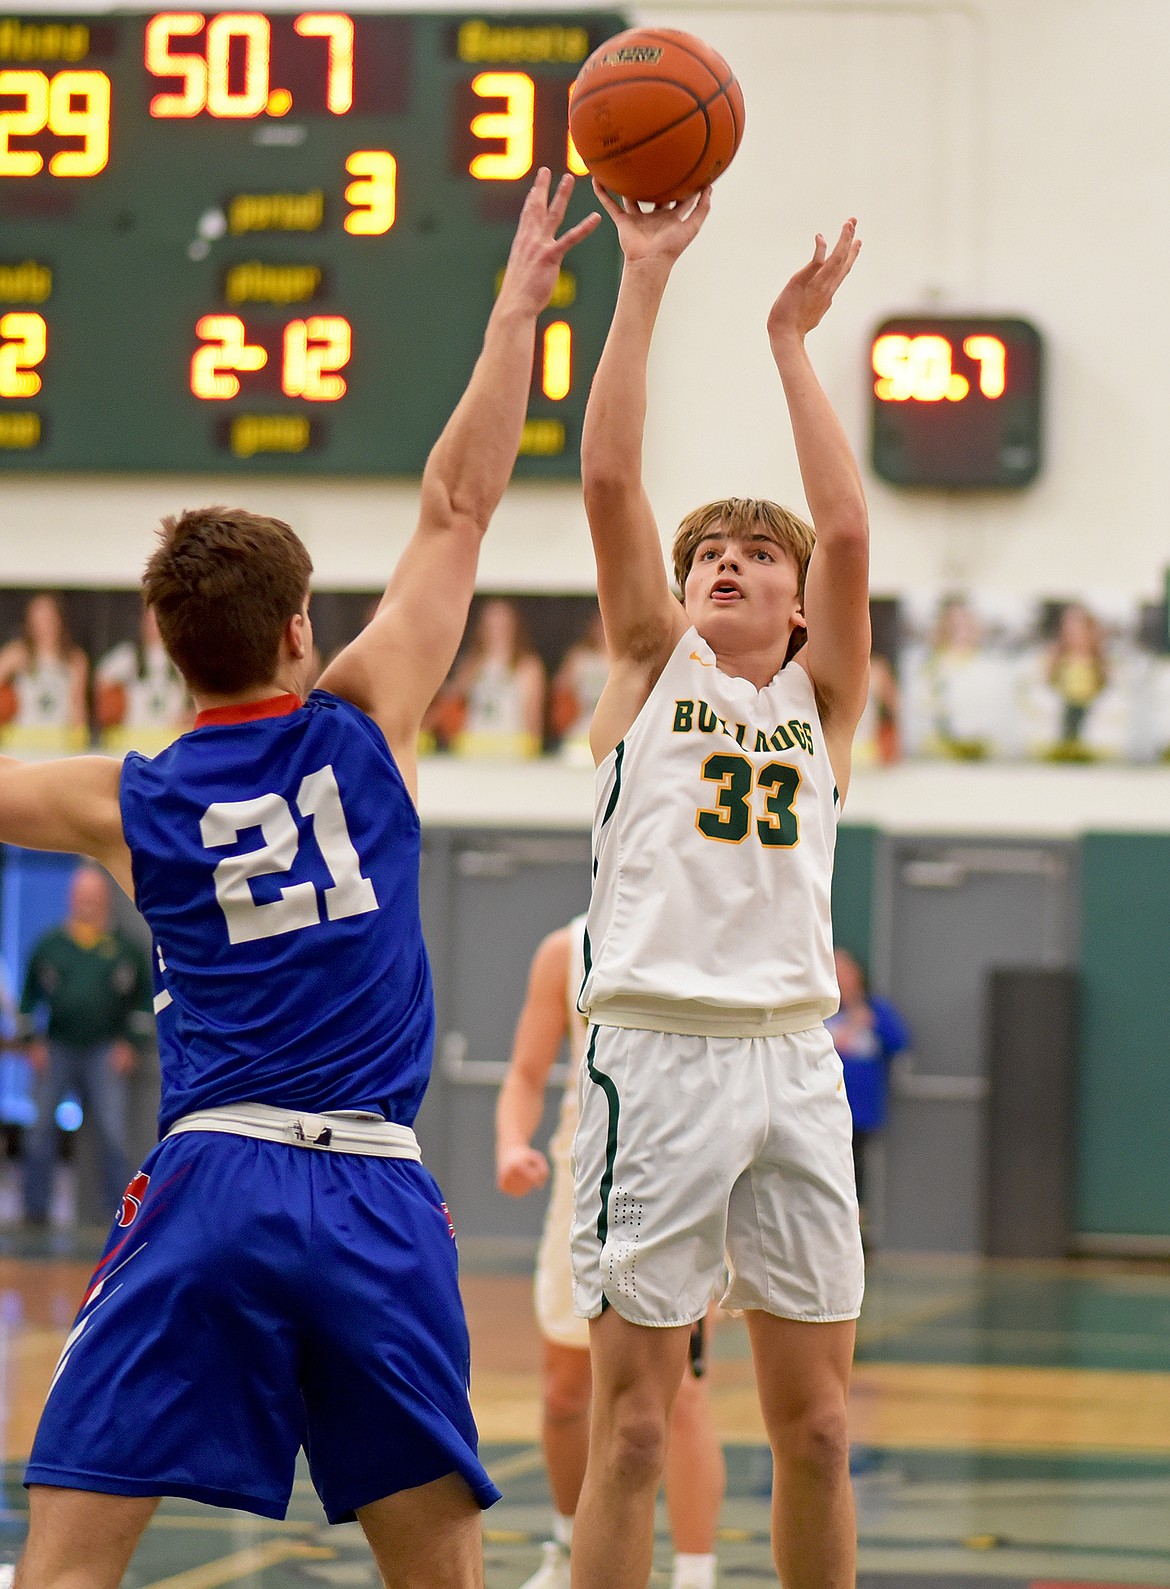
{"points": [[656, 114]]}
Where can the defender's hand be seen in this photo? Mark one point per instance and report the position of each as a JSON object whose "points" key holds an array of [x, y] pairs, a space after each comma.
{"points": [[803, 302], [520, 1170], [660, 234], [534, 261]]}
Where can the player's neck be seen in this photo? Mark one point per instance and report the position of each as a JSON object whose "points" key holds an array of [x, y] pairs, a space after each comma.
{"points": [[758, 664], [260, 692]]}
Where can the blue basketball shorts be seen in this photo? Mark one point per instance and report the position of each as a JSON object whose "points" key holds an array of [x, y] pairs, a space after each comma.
{"points": [[255, 1297]]}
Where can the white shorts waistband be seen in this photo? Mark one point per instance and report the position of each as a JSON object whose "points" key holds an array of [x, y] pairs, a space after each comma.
{"points": [[695, 1019], [335, 1131]]}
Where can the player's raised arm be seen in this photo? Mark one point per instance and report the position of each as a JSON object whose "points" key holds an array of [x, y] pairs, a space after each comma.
{"points": [[836, 596], [642, 619], [70, 806], [394, 667]]}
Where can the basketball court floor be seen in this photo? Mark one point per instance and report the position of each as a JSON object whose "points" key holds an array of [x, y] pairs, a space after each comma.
{"points": [[1010, 1425]]}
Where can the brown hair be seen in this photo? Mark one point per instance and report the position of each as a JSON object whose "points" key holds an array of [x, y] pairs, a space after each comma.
{"points": [[742, 518], [223, 583]]}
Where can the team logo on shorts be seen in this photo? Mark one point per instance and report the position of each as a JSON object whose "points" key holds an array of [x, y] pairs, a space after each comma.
{"points": [[132, 1199]]}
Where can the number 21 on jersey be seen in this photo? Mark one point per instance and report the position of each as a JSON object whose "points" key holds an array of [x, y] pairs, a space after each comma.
{"points": [[319, 799]]}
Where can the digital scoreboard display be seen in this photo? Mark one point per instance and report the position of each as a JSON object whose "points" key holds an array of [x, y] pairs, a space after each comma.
{"points": [[240, 242], [956, 401]]}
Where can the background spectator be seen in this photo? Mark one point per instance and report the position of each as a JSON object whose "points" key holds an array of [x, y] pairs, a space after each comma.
{"points": [[876, 742], [95, 986], [958, 691], [576, 689], [43, 679], [140, 701], [867, 1033], [493, 704]]}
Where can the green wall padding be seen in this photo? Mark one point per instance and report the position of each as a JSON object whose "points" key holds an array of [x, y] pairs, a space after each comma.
{"points": [[1123, 1176], [853, 882]]}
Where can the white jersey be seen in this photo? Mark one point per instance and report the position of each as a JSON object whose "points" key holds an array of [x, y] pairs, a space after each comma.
{"points": [[713, 843]]}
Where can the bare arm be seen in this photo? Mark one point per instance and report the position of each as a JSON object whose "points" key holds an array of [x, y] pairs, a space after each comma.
{"points": [[69, 805], [540, 1031], [13, 660], [78, 678], [642, 619], [836, 596], [400, 659]]}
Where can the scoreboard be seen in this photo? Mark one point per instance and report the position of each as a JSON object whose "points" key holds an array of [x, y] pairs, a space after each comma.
{"points": [[956, 401], [241, 242]]}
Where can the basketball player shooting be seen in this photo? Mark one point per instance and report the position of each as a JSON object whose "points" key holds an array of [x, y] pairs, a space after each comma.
{"points": [[282, 1269], [714, 1122]]}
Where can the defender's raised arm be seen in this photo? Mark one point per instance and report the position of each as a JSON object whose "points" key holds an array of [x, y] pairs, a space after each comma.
{"points": [[396, 664]]}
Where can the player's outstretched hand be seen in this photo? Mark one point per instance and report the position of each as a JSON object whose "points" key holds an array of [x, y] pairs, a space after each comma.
{"points": [[661, 233], [534, 261], [803, 302], [520, 1170]]}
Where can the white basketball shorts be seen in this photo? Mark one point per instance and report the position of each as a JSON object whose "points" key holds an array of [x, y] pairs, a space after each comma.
{"points": [[693, 1152]]}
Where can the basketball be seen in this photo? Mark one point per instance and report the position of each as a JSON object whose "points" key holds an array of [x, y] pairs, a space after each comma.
{"points": [[656, 114]]}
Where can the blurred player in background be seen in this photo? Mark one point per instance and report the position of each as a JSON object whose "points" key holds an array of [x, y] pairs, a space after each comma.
{"points": [[576, 690], [493, 705], [282, 1269], [695, 1473], [140, 700], [714, 1123], [43, 678]]}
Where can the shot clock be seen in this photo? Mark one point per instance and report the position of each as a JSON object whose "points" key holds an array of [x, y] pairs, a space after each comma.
{"points": [[241, 241], [956, 401]]}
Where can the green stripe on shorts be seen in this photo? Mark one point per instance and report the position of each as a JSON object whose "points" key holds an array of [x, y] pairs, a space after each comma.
{"points": [[606, 1083]]}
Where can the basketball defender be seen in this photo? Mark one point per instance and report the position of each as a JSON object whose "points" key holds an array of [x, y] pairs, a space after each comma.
{"points": [[695, 1472], [714, 1120], [282, 1270]]}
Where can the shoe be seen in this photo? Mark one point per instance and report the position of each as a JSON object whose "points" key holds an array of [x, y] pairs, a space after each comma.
{"points": [[553, 1572]]}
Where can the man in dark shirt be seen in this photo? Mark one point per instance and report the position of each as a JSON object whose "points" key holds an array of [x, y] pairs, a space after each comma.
{"points": [[95, 986]]}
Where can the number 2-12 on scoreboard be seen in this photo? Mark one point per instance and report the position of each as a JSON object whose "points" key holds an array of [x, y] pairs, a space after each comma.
{"points": [[314, 351]]}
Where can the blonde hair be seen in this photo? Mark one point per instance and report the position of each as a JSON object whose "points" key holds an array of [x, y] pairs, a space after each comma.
{"points": [[743, 518]]}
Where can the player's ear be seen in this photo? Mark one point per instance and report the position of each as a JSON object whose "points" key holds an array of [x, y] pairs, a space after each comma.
{"points": [[296, 636]]}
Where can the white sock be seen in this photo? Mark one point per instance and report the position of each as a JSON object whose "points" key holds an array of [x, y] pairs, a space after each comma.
{"points": [[563, 1530], [693, 1572]]}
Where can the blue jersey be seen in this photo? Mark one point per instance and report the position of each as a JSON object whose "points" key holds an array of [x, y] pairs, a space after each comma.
{"points": [[275, 853]]}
